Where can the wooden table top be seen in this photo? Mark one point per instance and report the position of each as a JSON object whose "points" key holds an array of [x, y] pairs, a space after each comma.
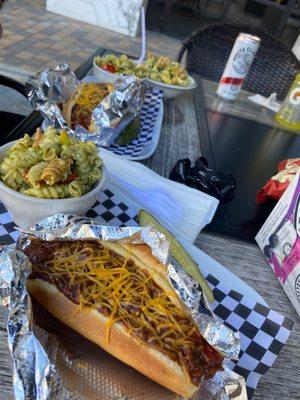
{"points": [[180, 139]]}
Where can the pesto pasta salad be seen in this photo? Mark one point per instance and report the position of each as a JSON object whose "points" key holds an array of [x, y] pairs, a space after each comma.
{"points": [[51, 165], [157, 68]]}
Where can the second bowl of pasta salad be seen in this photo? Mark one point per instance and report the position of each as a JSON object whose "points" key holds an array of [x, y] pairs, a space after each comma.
{"points": [[160, 72], [48, 173]]}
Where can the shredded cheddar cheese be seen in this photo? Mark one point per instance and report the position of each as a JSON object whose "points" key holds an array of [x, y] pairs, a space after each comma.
{"points": [[95, 277], [89, 95]]}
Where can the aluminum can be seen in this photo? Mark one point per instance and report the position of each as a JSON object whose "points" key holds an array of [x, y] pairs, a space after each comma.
{"points": [[238, 64]]}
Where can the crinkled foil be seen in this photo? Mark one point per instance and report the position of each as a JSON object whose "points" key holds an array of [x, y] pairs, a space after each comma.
{"points": [[65, 226], [225, 385], [32, 369], [33, 351], [117, 110], [48, 88], [216, 334], [51, 87]]}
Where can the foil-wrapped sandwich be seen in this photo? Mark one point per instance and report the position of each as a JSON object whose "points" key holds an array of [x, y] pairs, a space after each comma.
{"points": [[121, 289], [90, 110], [118, 296]]}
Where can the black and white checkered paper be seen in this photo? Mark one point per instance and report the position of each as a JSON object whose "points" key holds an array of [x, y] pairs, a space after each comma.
{"points": [[263, 331], [148, 115]]}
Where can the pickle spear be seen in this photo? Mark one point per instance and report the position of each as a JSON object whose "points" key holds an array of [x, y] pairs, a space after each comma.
{"points": [[178, 252]]}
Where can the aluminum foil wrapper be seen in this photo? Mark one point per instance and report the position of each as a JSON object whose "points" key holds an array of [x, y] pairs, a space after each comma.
{"points": [[71, 227], [225, 385], [48, 88], [216, 334], [32, 368], [51, 87], [118, 109]]}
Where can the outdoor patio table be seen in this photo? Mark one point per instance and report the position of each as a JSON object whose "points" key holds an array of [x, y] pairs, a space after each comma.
{"points": [[180, 138]]}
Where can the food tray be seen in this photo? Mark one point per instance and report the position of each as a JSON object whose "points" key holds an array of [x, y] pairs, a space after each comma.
{"points": [[151, 120]]}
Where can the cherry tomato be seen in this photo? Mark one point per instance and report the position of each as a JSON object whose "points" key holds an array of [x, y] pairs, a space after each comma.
{"points": [[109, 67], [71, 177]]}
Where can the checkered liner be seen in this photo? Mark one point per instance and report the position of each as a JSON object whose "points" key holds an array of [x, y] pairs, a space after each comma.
{"points": [[263, 331], [148, 115]]}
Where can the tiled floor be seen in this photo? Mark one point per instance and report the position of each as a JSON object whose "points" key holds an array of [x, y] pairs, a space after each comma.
{"points": [[34, 38]]}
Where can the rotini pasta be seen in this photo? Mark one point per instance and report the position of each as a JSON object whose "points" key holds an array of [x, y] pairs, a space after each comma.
{"points": [[33, 176], [48, 153], [51, 165], [27, 159], [56, 171], [75, 189], [13, 178], [7, 165], [22, 144], [48, 192], [95, 174]]}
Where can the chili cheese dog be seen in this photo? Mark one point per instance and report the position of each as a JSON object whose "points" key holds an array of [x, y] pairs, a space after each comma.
{"points": [[79, 108], [133, 313]]}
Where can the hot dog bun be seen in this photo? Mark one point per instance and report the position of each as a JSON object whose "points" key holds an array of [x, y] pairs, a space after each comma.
{"points": [[147, 360]]}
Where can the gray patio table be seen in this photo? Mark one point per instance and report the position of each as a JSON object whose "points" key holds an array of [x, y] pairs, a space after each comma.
{"points": [[179, 139]]}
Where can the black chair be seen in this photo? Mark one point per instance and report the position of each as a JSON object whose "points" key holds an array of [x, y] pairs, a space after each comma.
{"points": [[273, 69], [9, 120]]}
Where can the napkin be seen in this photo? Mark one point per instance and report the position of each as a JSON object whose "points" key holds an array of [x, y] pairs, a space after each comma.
{"points": [[198, 208], [270, 102]]}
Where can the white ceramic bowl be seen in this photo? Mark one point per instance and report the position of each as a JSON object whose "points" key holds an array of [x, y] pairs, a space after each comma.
{"points": [[105, 76], [26, 211], [170, 91]]}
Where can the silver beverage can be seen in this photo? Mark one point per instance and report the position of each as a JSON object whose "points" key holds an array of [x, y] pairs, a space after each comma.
{"points": [[238, 64]]}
